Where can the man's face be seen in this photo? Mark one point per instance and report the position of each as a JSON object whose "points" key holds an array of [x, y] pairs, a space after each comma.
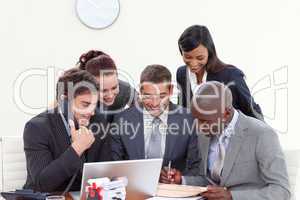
{"points": [[209, 124], [109, 88], [196, 59], [83, 107], [156, 97]]}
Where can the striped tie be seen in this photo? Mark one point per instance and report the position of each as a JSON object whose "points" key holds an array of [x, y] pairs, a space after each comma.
{"points": [[154, 149]]}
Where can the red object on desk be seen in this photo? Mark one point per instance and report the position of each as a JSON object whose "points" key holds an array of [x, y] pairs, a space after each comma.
{"points": [[94, 192]]}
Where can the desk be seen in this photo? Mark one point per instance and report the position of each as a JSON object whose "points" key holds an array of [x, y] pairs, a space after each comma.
{"points": [[129, 196], [68, 196], [142, 197]]}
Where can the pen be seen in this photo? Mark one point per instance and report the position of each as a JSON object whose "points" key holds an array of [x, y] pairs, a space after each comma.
{"points": [[211, 181], [169, 169]]}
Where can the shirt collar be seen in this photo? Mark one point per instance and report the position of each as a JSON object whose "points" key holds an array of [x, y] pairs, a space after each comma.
{"points": [[229, 130], [163, 116], [193, 77], [66, 124]]}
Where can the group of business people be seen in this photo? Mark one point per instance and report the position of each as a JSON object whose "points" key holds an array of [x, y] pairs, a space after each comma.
{"points": [[214, 136]]}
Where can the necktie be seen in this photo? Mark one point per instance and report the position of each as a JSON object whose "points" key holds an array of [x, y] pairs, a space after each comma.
{"points": [[154, 148], [219, 162]]}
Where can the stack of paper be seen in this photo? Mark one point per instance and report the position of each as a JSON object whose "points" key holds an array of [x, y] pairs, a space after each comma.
{"points": [[185, 198], [179, 191]]}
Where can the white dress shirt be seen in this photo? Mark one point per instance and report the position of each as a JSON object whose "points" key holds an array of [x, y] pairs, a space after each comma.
{"points": [[193, 80], [227, 133]]}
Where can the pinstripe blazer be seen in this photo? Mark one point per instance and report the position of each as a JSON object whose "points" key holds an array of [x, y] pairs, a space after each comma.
{"points": [[51, 161]]}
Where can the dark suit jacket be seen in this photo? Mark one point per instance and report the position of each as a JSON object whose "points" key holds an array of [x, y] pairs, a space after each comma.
{"points": [[181, 145], [127, 96], [242, 99], [51, 161]]}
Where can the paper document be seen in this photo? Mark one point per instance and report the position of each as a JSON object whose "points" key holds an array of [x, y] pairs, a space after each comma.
{"points": [[169, 198], [179, 191]]}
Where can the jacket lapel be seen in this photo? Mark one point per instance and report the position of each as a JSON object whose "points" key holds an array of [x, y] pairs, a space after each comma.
{"points": [[60, 133], [233, 149], [170, 138], [137, 145], [188, 85]]}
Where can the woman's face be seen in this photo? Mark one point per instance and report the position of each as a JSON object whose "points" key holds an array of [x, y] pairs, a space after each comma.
{"points": [[109, 88], [196, 59]]}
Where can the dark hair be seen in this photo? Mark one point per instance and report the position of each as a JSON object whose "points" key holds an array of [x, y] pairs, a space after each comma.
{"points": [[74, 76], [195, 35], [156, 74], [97, 62]]}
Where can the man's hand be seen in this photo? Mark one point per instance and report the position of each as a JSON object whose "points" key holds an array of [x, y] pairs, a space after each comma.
{"points": [[170, 177], [82, 139], [217, 193]]}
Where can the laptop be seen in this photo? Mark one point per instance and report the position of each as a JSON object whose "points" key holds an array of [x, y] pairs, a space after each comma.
{"points": [[142, 175]]}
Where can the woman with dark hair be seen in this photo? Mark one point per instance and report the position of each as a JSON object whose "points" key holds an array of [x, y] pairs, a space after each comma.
{"points": [[202, 64], [114, 95]]}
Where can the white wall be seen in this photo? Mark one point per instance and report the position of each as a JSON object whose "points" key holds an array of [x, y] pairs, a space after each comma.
{"points": [[257, 36]]}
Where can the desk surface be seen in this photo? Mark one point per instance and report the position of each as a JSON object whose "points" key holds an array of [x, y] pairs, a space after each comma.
{"points": [[68, 196], [128, 196]]}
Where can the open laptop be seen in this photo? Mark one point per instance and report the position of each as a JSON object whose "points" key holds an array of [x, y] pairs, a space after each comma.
{"points": [[142, 175]]}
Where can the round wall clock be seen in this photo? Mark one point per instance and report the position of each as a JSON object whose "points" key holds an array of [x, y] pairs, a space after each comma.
{"points": [[97, 14]]}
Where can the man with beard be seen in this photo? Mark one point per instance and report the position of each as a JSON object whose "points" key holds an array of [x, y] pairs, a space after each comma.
{"points": [[57, 142]]}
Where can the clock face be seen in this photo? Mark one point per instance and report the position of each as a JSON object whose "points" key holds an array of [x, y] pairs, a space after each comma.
{"points": [[97, 14]]}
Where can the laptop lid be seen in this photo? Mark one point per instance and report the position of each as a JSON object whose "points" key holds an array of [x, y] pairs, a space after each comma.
{"points": [[142, 175]]}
